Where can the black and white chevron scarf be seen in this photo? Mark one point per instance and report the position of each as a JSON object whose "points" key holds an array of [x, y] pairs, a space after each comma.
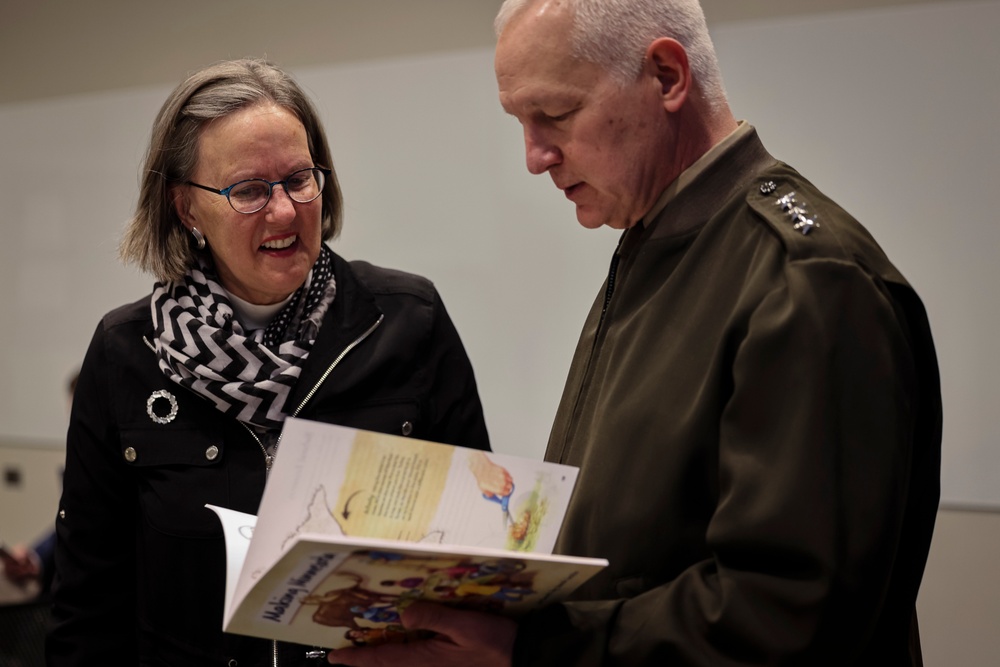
{"points": [[202, 346]]}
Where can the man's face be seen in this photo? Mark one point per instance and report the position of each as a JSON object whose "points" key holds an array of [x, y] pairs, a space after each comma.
{"points": [[602, 143]]}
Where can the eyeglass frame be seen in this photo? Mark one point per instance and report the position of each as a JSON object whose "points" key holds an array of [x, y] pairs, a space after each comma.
{"points": [[270, 188]]}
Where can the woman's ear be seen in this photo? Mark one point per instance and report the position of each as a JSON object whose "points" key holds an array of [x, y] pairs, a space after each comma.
{"points": [[182, 205], [668, 62]]}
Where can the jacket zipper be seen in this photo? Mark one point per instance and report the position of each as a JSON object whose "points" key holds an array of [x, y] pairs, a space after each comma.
{"points": [[608, 294], [269, 459], [612, 275], [333, 365]]}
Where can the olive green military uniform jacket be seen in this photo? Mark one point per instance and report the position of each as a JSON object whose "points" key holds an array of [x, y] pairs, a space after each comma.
{"points": [[754, 405]]}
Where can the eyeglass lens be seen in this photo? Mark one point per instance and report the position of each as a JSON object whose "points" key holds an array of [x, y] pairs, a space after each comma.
{"points": [[252, 195]]}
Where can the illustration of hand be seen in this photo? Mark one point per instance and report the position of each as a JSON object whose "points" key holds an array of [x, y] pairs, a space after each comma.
{"points": [[493, 479]]}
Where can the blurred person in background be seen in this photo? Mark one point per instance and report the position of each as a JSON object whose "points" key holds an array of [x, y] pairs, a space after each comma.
{"points": [[24, 564]]}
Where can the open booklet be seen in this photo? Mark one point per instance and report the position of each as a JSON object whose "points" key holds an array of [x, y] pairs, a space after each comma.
{"points": [[355, 525]]}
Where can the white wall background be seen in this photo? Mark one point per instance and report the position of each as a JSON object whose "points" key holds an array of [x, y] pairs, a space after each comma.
{"points": [[890, 111]]}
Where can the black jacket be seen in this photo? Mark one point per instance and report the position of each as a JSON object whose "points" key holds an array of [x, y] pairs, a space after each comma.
{"points": [[140, 562]]}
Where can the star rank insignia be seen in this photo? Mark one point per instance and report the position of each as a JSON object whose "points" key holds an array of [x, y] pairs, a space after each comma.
{"points": [[796, 210]]}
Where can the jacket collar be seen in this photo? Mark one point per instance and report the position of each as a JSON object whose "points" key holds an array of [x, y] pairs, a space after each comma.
{"points": [[721, 174]]}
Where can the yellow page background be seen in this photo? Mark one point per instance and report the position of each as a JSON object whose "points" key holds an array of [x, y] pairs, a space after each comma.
{"points": [[393, 488]]}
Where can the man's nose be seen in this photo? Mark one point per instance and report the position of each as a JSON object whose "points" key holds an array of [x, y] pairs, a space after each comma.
{"points": [[541, 154]]}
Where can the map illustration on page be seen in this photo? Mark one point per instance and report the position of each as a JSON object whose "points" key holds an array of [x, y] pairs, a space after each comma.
{"points": [[355, 525]]}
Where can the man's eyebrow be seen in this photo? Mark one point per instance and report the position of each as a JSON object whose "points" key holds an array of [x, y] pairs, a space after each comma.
{"points": [[536, 102]]}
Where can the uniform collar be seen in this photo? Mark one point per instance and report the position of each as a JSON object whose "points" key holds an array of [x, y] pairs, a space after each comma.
{"points": [[718, 175], [690, 174]]}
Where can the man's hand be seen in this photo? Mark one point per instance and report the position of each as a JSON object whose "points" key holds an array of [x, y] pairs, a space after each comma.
{"points": [[463, 638]]}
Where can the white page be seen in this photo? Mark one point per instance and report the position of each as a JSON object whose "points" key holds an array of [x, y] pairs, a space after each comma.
{"points": [[237, 527]]}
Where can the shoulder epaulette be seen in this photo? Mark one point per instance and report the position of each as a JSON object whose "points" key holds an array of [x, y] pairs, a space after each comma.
{"points": [[792, 208]]}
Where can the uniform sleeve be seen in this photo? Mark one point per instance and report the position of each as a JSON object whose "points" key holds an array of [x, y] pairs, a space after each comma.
{"points": [[94, 589], [456, 407], [814, 459]]}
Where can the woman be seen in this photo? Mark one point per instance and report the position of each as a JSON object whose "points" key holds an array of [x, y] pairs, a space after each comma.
{"points": [[183, 394]]}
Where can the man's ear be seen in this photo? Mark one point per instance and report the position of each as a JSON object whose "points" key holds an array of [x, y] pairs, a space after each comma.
{"points": [[668, 62], [182, 205]]}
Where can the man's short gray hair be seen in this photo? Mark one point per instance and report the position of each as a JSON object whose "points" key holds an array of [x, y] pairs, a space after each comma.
{"points": [[614, 34]]}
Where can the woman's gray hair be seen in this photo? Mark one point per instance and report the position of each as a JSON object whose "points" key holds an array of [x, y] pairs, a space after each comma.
{"points": [[614, 34], [154, 239]]}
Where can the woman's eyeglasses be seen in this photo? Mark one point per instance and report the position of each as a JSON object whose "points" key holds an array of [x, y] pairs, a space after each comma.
{"points": [[252, 195]]}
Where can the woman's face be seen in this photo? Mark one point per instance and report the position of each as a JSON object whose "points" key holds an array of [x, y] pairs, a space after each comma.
{"points": [[264, 256]]}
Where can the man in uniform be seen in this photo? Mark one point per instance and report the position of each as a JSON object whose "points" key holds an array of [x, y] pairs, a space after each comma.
{"points": [[754, 403]]}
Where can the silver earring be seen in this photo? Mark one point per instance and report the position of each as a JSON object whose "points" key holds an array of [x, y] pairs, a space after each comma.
{"points": [[199, 238]]}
